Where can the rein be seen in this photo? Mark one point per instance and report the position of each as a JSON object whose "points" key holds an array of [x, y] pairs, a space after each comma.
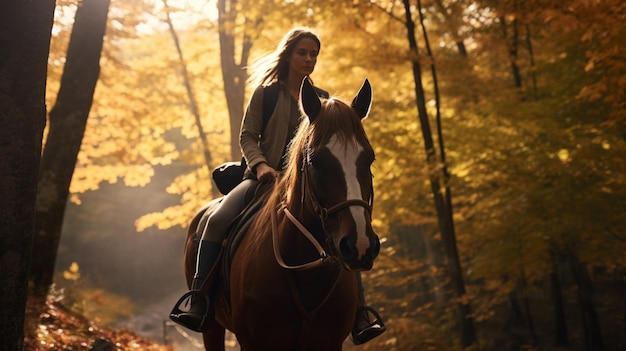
{"points": [[307, 234], [322, 214]]}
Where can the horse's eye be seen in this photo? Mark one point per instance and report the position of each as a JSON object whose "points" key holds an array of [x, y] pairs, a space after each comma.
{"points": [[371, 156], [368, 156]]}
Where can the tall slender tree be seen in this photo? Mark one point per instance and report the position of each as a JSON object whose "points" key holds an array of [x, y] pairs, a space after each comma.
{"points": [[191, 95], [443, 204], [234, 70], [67, 118], [25, 28]]}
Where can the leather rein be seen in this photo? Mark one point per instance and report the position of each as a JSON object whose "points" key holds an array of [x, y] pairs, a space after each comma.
{"points": [[322, 213]]}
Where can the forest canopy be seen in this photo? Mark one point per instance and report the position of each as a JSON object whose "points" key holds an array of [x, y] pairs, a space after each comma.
{"points": [[529, 97]]}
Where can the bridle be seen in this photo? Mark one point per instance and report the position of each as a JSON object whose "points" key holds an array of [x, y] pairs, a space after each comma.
{"points": [[322, 214]]}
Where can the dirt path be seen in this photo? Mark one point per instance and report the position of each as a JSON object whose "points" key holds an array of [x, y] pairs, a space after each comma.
{"points": [[153, 323]]}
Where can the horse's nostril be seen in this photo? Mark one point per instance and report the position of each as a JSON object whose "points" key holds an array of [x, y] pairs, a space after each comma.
{"points": [[345, 249], [376, 248]]}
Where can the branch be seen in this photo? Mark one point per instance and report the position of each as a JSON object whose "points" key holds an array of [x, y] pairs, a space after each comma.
{"points": [[195, 111]]}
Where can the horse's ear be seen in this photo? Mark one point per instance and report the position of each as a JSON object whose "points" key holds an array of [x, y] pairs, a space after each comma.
{"points": [[363, 99], [310, 103]]}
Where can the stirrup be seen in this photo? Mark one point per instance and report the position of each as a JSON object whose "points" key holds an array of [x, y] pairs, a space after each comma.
{"points": [[373, 329], [183, 308]]}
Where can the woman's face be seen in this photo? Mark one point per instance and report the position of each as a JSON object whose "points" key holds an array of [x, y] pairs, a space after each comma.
{"points": [[303, 57]]}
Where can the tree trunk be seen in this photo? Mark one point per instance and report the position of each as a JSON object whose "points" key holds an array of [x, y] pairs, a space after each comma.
{"points": [[591, 324], [193, 104], [233, 73], [68, 118], [25, 28], [452, 22], [530, 323], [444, 209], [531, 54], [512, 45], [561, 338]]}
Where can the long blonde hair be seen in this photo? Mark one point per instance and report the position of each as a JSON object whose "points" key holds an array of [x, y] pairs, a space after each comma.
{"points": [[274, 66]]}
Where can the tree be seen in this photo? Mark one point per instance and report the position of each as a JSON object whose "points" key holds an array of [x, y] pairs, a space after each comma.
{"points": [[68, 118], [534, 179], [233, 72], [25, 28], [191, 95], [238, 33], [442, 204]]}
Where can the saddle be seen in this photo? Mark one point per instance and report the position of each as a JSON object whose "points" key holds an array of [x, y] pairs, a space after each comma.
{"points": [[236, 232], [239, 227]]}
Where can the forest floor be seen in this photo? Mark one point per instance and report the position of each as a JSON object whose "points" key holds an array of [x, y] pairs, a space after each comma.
{"points": [[51, 326]]}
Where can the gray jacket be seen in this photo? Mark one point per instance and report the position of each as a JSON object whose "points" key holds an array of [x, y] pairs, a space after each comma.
{"points": [[270, 146]]}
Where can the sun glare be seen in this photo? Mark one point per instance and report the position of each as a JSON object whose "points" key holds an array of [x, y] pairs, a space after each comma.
{"points": [[191, 11], [183, 13]]}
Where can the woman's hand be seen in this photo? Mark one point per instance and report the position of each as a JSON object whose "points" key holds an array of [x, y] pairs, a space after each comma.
{"points": [[265, 173]]}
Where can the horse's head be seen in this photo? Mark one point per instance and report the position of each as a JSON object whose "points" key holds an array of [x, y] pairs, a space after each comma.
{"points": [[336, 166]]}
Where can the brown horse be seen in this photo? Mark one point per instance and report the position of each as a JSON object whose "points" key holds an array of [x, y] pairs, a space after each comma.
{"points": [[292, 283]]}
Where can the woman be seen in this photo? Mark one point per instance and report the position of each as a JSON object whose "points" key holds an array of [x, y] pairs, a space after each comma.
{"points": [[263, 144]]}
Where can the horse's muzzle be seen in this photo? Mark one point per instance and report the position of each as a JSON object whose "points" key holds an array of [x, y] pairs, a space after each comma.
{"points": [[353, 259]]}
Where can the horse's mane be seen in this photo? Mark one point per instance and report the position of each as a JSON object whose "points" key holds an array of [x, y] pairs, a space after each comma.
{"points": [[335, 118]]}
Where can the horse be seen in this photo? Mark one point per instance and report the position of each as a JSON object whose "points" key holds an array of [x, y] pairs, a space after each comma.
{"points": [[292, 283]]}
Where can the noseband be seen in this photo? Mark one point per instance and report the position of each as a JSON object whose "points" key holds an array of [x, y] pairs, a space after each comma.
{"points": [[322, 213]]}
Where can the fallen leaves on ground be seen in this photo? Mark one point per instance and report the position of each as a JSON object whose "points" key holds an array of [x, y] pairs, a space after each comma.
{"points": [[51, 326]]}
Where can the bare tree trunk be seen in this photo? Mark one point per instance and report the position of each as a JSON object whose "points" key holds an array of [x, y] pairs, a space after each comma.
{"points": [[556, 294], [531, 53], [529, 321], [25, 28], [193, 104], [591, 324], [233, 73], [68, 118], [443, 205], [512, 45]]}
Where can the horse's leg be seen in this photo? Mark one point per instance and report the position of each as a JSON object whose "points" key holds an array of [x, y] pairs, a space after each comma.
{"points": [[213, 336]]}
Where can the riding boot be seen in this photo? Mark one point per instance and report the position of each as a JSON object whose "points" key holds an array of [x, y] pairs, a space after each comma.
{"points": [[192, 309], [365, 330]]}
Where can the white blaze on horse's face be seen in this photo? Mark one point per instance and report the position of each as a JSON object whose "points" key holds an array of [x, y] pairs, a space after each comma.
{"points": [[347, 155]]}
